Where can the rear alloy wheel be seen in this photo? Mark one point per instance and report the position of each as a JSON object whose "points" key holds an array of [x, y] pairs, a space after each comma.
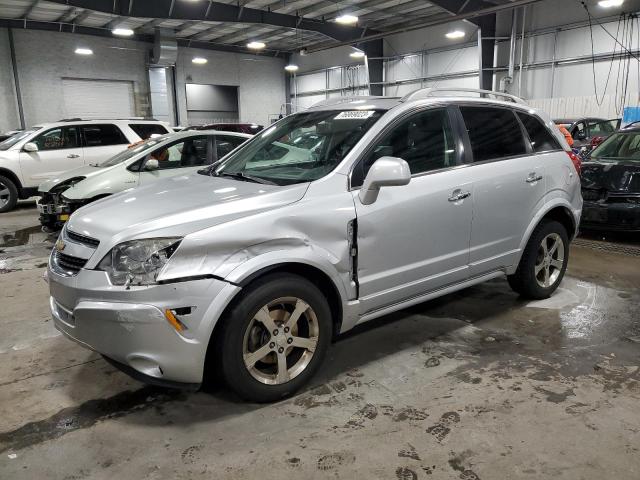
{"points": [[274, 337], [8, 194], [543, 263]]}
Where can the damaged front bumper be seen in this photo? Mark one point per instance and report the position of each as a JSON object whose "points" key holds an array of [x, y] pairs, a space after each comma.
{"points": [[53, 210], [130, 326]]}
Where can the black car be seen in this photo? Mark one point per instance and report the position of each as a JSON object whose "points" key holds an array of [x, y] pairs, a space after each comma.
{"points": [[611, 184], [585, 130]]}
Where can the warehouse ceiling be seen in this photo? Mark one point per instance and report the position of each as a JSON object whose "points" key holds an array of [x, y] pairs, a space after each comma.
{"points": [[284, 25]]}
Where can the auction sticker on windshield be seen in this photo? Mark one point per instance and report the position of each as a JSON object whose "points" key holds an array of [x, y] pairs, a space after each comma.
{"points": [[354, 114]]}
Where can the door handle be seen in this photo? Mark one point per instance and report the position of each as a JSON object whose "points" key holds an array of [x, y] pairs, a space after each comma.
{"points": [[73, 155], [534, 177], [458, 195]]}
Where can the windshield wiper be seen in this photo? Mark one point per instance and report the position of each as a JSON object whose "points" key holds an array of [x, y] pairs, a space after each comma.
{"points": [[247, 178]]}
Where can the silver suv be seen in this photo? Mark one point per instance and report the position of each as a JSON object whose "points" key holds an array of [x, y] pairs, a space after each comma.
{"points": [[251, 266]]}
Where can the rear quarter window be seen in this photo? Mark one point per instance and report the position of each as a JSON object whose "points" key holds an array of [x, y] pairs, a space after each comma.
{"points": [[541, 139], [494, 133]]}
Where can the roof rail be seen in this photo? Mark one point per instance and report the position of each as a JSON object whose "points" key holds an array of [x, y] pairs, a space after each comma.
{"points": [[78, 119], [341, 100], [430, 91]]}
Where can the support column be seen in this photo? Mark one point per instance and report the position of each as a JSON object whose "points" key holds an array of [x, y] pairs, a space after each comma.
{"points": [[486, 50], [373, 49]]}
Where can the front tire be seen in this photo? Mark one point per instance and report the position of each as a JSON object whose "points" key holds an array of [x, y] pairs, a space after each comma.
{"points": [[8, 194], [543, 263], [274, 337]]}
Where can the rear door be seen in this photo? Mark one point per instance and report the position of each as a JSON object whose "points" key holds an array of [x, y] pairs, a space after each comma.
{"points": [[181, 157], [101, 142], [509, 186], [59, 150]]}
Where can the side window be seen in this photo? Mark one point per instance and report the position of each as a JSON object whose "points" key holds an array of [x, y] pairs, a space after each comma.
{"points": [[424, 140], [58, 138], [145, 130], [226, 143], [494, 133], [599, 129], [579, 131], [191, 152], [103, 135], [541, 139]]}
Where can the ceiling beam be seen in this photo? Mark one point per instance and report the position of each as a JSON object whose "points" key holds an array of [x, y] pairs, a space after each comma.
{"points": [[457, 7], [82, 16], [31, 8], [214, 11], [150, 25], [430, 23]]}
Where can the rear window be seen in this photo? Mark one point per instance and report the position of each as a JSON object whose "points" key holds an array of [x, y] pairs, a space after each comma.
{"points": [[541, 139], [494, 133], [145, 130], [103, 135]]}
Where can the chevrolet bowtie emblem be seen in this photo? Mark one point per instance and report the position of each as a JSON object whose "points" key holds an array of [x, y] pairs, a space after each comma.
{"points": [[60, 245]]}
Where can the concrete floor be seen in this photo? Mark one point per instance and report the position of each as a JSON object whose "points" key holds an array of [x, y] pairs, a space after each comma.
{"points": [[479, 384]]}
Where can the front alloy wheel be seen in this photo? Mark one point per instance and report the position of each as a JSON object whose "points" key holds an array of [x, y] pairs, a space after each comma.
{"points": [[280, 341], [273, 337]]}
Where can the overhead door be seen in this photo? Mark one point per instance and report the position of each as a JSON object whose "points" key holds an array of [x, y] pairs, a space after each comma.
{"points": [[85, 98], [211, 104]]}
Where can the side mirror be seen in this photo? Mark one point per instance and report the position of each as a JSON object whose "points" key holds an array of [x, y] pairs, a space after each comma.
{"points": [[385, 172], [152, 164], [30, 147]]}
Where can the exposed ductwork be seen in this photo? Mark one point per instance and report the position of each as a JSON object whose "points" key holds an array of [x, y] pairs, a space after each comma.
{"points": [[165, 48]]}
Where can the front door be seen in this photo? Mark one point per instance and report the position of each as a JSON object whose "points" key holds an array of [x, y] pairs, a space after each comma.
{"points": [[179, 158], [59, 150], [415, 239]]}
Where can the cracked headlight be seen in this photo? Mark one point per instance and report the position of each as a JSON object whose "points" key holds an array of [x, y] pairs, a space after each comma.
{"points": [[138, 262]]}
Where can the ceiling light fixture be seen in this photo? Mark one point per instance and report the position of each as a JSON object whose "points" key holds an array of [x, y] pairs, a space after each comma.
{"points": [[256, 45], [199, 60], [357, 54], [291, 68], [122, 32], [347, 19], [84, 51], [610, 3], [455, 34]]}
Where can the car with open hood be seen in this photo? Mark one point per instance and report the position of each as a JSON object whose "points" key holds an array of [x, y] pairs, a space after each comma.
{"points": [[142, 163], [45, 151], [611, 183], [249, 268]]}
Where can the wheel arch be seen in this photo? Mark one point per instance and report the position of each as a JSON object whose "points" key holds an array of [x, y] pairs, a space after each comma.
{"points": [[558, 211], [13, 177]]}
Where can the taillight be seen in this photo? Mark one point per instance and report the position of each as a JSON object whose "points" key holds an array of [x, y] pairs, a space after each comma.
{"points": [[577, 163], [595, 141]]}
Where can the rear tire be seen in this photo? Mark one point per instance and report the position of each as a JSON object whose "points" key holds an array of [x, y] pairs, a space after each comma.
{"points": [[543, 263], [273, 338], [8, 194]]}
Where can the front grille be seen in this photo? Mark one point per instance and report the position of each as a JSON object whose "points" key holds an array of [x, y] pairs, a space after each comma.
{"points": [[82, 239], [69, 263]]}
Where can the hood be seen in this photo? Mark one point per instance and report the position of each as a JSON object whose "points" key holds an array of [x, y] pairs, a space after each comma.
{"points": [[618, 176], [87, 171], [178, 206]]}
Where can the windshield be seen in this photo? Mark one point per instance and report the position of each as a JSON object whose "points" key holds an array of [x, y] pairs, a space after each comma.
{"points": [[133, 150], [11, 141], [620, 146], [300, 148]]}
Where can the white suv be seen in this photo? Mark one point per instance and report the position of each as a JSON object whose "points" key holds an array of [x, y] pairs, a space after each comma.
{"points": [[44, 151], [249, 267]]}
